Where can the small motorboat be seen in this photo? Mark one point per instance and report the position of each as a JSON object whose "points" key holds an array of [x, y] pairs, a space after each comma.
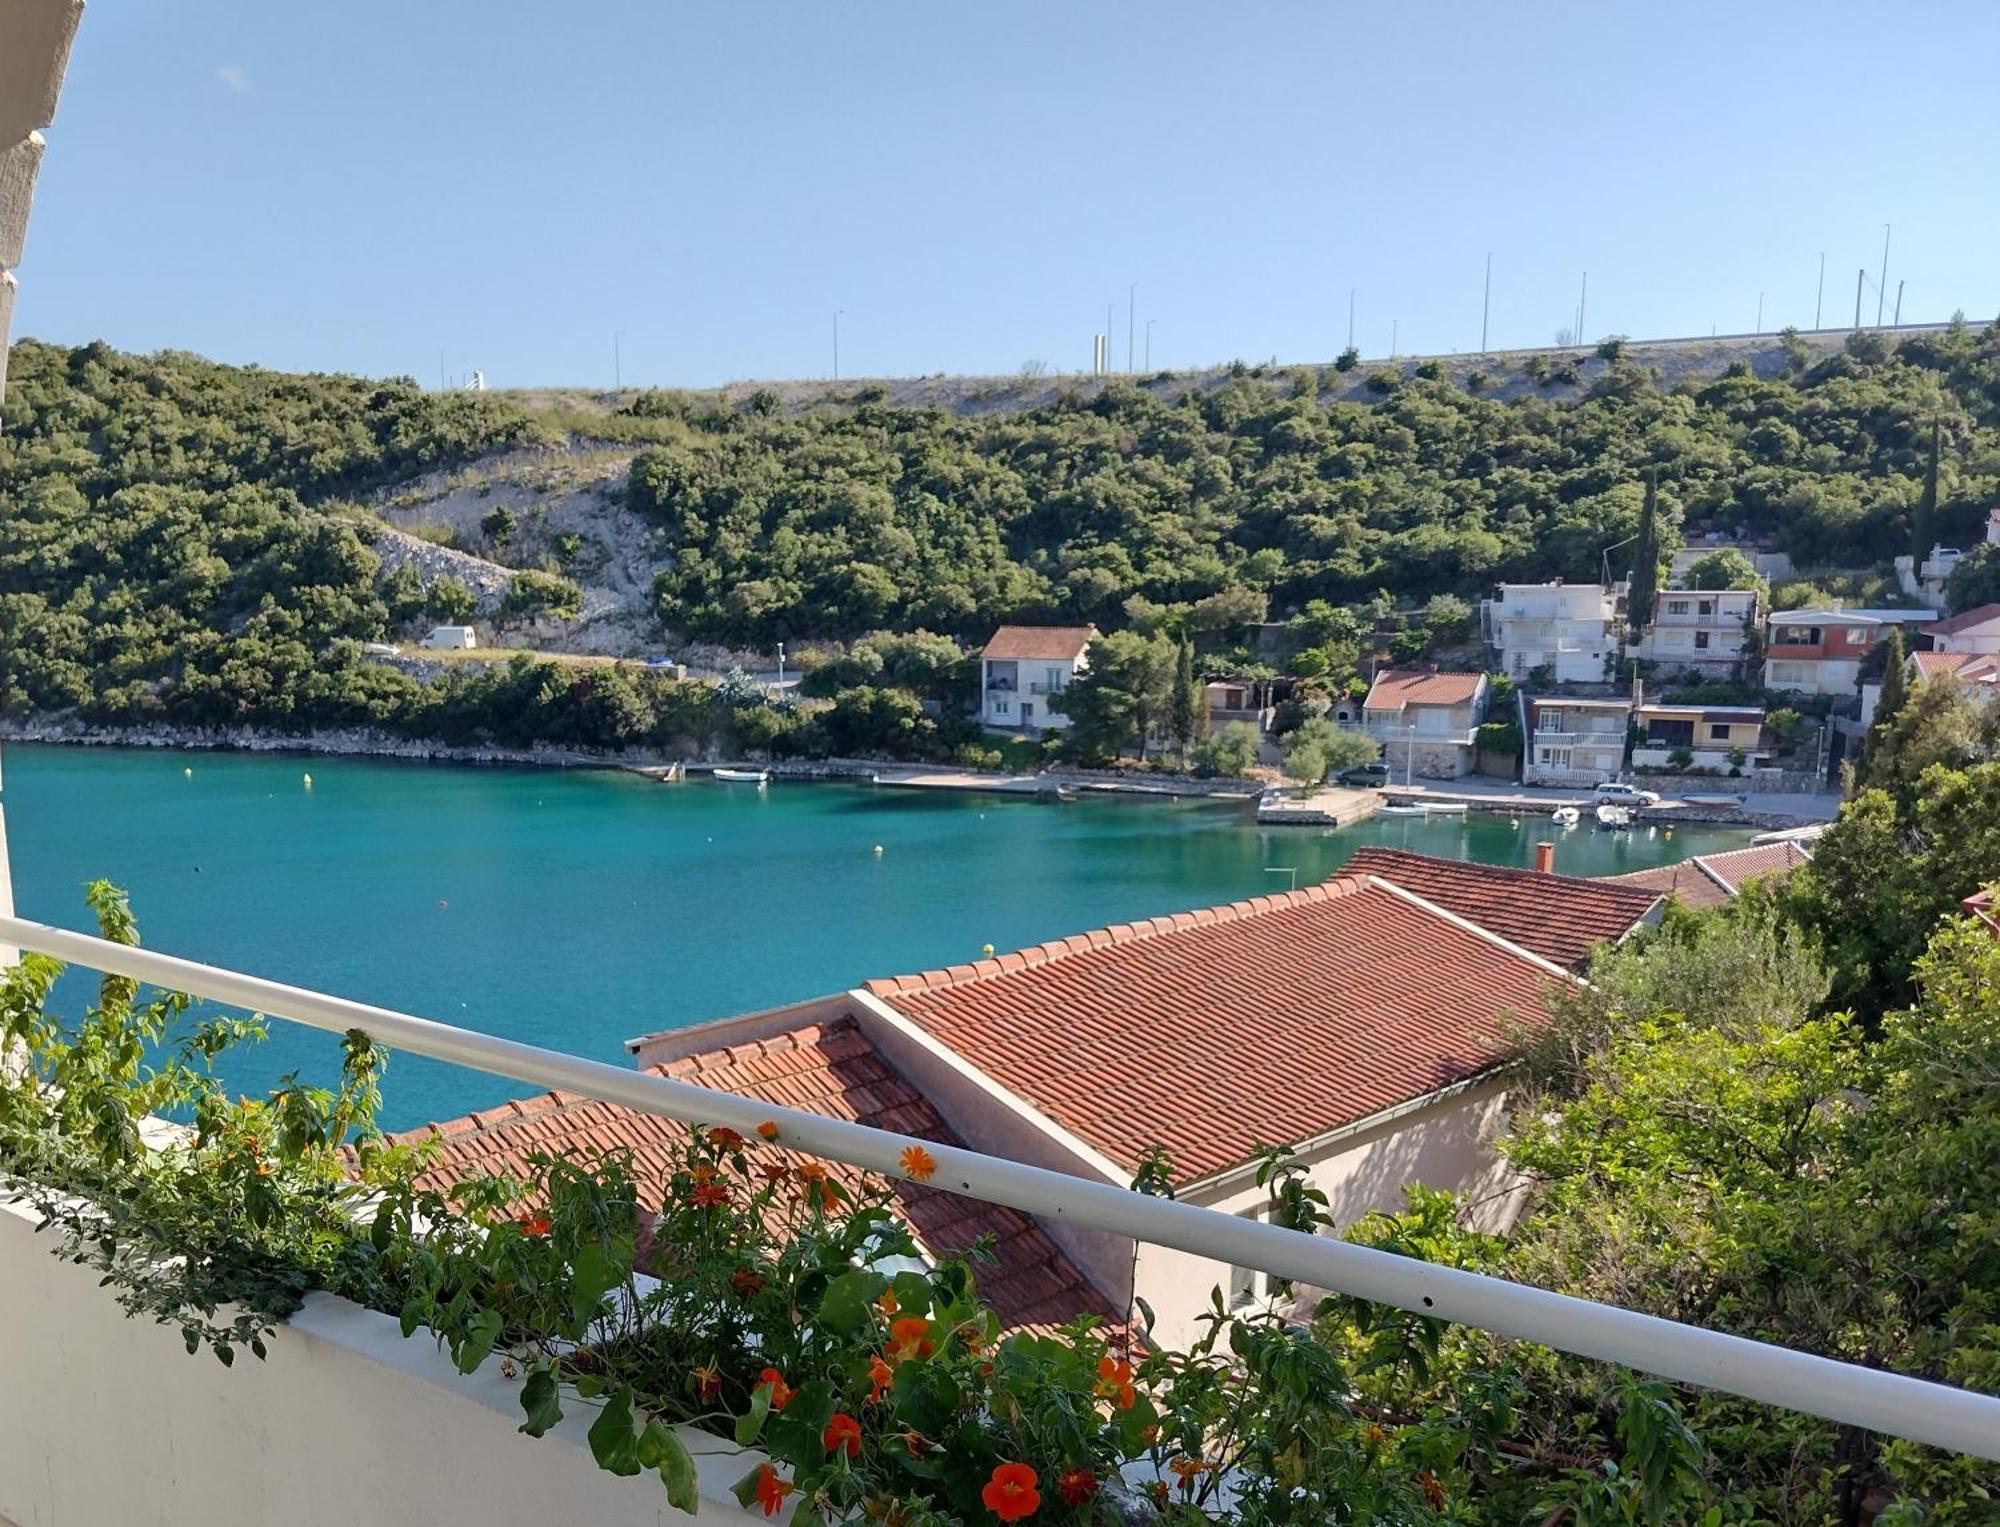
{"points": [[1614, 818], [1445, 809], [743, 776], [1565, 816], [1399, 811]]}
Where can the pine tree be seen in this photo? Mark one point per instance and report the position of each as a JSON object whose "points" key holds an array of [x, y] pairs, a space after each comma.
{"points": [[1645, 584], [1185, 713], [1923, 523]]}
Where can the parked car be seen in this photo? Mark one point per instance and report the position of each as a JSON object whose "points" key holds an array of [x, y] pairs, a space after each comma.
{"points": [[1365, 776], [1615, 792]]}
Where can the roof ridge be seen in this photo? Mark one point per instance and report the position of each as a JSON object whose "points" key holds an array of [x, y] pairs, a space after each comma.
{"points": [[1462, 866], [1477, 930], [1037, 955]]}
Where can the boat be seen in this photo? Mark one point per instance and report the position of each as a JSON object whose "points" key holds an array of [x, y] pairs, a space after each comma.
{"points": [[743, 776], [1399, 811], [1614, 818], [1445, 809], [1565, 816]]}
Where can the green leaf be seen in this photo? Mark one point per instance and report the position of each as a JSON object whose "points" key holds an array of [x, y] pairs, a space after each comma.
{"points": [[676, 1465], [751, 1422], [539, 1398], [847, 1307], [614, 1435], [480, 1336], [595, 1275]]}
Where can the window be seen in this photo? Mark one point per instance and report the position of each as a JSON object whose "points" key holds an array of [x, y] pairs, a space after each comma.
{"points": [[1002, 706], [1556, 758], [1718, 731], [1856, 636], [1247, 1285], [1788, 673], [1701, 640], [1055, 680], [1707, 607], [1680, 607]]}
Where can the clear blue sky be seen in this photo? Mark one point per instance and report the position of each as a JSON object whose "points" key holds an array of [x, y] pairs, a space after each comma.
{"points": [[354, 186]]}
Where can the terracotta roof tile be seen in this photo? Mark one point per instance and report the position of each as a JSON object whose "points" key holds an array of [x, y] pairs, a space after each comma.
{"points": [[1973, 667], [1272, 1021], [1978, 616], [829, 1069], [1396, 687], [1709, 880], [1053, 643], [1559, 917]]}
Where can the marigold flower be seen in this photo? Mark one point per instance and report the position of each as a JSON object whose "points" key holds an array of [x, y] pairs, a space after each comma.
{"points": [[910, 1337], [1114, 1382], [829, 1198], [746, 1283], [702, 1172], [723, 1138], [1433, 1491], [811, 1171], [919, 1165], [1011, 1494], [842, 1435], [711, 1195], [880, 1377], [707, 1382], [771, 1490], [775, 1171], [1076, 1486], [768, 1130], [781, 1392], [533, 1224], [1187, 1471]]}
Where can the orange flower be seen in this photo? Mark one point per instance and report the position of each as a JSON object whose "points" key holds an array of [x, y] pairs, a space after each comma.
{"points": [[702, 1172], [1187, 1471], [919, 1165], [1114, 1382], [768, 1129], [1076, 1486], [842, 1435], [532, 1224], [914, 1440], [886, 1303], [1373, 1435], [781, 1392], [724, 1138], [880, 1376], [711, 1195], [910, 1337], [1011, 1494], [771, 1490], [829, 1198], [707, 1382], [775, 1171], [811, 1171], [263, 1169], [1433, 1491], [746, 1283], [972, 1336]]}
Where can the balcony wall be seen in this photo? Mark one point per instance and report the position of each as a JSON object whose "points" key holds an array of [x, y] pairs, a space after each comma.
{"points": [[109, 1420]]}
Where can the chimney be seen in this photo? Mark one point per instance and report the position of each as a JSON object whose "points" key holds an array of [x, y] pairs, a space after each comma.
{"points": [[1545, 858]]}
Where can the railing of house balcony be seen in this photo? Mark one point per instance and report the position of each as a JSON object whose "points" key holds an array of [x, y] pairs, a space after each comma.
{"points": [[1884, 1402], [1588, 739]]}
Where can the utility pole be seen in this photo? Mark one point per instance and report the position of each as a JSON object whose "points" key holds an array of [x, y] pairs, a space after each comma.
{"points": [[1859, 276], [1819, 298], [1486, 303], [1582, 300], [1149, 342], [1881, 287], [1350, 318], [1760, 315], [1394, 323], [1131, 311], [836, 342], [1898, 319]]}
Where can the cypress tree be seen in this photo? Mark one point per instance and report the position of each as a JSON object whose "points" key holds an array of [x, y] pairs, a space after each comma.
{"points": [[1645, 585], [1895, 690], [1923, 524], [1185, 714]]}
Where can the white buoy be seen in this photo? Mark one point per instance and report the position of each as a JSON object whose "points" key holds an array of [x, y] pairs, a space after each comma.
{"points": [[309, 782], [878, 850], [988, 948], [188, 772]]}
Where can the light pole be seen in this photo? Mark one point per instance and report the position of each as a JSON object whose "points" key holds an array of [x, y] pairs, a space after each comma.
{"points": [[781, 667], [836, 342], [1881, 287], [1149, 342]]}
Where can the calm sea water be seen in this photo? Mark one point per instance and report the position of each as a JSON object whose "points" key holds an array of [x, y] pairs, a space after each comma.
{"points": [[578, 909]]}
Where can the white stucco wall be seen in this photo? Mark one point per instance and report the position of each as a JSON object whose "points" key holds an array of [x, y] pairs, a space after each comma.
{"points": [[108, 1422], [1446, 1145]]}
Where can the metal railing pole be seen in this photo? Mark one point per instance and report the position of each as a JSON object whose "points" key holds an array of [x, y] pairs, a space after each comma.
{"points": [[1885, 1402]]}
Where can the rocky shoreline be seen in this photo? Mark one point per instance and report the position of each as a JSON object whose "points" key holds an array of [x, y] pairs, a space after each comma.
{"points": [[351, 743]]}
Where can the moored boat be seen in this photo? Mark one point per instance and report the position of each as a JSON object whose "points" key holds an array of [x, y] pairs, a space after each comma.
{"points": [[743, 776], [1565, 816], [1614, 818]]}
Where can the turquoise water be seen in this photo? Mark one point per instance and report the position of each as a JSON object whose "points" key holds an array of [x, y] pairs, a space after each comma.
{"points": [[576, 909]]}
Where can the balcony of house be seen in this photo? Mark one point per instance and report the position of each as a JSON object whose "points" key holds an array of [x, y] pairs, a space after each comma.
{"points": [[1002, 678], [407, 1401]]}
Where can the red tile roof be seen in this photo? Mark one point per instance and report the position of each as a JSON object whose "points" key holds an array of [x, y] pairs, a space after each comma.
{"points": [[1267, 1021], [1709, 880], [1396, 687], [1053, 643], [1972, 667], [1559, 917], [1964, 620], [829, 1069]]}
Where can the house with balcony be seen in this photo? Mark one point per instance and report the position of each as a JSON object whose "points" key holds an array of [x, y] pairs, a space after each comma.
{"points": [[1574, 742], [1702, 631], [1820, 652], [1426, 721], [1570, 630], [1712, 737], [1023, 671]]}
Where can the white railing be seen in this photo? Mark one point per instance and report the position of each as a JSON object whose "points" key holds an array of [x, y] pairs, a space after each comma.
{"points": [[1885, 1402]]}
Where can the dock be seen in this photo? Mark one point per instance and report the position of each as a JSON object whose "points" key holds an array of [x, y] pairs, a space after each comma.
{"points": [[1332, 806]]}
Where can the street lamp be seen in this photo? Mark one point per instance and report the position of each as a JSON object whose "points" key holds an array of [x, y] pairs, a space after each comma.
{"points": [[1149, 342]]}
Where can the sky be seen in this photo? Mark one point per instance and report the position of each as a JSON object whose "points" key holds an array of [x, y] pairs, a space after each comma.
{"points": [[659, 193]]}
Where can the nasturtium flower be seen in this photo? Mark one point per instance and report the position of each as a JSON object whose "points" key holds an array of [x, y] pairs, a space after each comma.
{"points": [[771, 1490], [842, 1435], [1114, 1382], [886, 1302], [781, 1392], [880, 1377], [1076, 1486], [533, 1224], [747, 1284], [1011, 1494], [919, 1165], [707, 1382], [811, 1171], [1187, 1471], [910, 1337]]}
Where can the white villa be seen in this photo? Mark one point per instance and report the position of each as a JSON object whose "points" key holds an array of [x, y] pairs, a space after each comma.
{"points": [[1820, 652], [1568, 628], [1575, 742], [1703, 630], [1023, 672]]}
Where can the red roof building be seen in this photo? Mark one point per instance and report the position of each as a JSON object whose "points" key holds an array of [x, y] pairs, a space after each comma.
{"points": [[1709, 880], [1039, 643]]}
